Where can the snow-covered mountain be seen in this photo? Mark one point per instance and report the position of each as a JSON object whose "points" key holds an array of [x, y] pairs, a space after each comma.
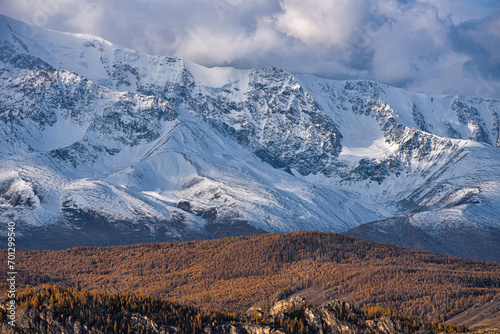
{"points": [[105, 145]]}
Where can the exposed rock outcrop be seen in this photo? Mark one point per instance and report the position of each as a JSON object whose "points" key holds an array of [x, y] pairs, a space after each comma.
{"points": [[294, 315]]}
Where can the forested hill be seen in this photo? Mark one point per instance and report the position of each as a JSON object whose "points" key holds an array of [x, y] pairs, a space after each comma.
{"points": [[235, 273]]}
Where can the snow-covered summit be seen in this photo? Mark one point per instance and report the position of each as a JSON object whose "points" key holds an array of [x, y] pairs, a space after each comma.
{"points": [[100, 140]]}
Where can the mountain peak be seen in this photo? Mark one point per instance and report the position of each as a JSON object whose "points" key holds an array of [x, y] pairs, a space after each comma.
{"points": [[249, 150]]}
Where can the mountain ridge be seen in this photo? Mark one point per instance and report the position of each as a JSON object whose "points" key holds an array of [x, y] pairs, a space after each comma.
{"points": [[176, 151]]}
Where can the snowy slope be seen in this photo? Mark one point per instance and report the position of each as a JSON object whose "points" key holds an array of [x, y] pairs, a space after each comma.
{"points": [[126, 157], [107, 145]]}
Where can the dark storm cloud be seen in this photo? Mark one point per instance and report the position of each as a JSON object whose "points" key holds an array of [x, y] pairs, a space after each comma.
{"points": [[435, 46]]}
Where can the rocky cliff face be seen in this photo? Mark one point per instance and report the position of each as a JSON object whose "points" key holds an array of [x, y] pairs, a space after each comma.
{"points": [[104, 145], [32, 321], [287, 316]]}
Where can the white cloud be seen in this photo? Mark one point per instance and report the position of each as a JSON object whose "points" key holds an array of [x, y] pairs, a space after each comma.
{"points": [[330, 23], [409, 44], [219, 46], [426, 45]]}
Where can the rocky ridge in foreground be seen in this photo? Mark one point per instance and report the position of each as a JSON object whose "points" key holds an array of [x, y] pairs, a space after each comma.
{"points": [[294, 315]]}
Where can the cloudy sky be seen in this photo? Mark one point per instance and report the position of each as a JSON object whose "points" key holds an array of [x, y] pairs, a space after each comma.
{"points": [[432, 46]]}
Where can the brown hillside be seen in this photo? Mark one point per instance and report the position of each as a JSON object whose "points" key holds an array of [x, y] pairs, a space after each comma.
{"points": [[235, 273], [480, 315]]}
